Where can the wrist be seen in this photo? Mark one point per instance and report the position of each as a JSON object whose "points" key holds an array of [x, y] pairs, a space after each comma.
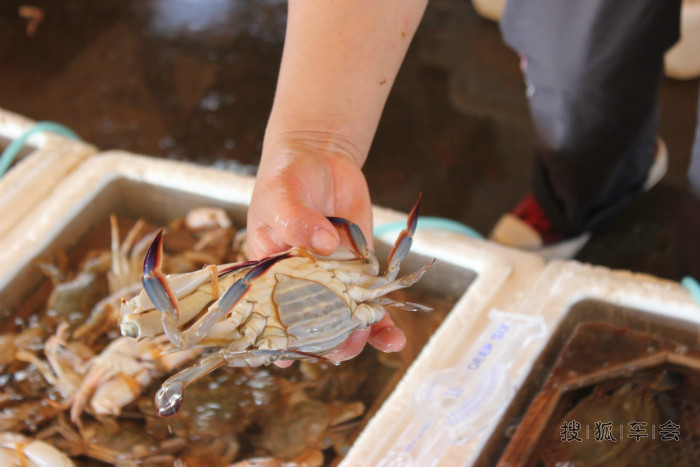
{"points": [[324, 137]]}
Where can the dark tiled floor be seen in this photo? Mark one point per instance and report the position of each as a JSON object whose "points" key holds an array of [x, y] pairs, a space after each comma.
{"points": [[171, 79]]}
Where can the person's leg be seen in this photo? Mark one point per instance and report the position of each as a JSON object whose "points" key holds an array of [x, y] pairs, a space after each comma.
{"points": [[593, 70], [688, 244]]}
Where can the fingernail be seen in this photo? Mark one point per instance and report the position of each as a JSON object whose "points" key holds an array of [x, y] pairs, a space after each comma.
{"points": [[323, 242]]}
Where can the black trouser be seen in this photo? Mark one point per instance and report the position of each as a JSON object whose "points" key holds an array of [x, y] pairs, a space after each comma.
{"points": [[593, 70], [688, 239]]}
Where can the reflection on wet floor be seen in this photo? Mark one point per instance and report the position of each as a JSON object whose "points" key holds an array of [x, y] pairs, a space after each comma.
{"points": [[193, 80]]}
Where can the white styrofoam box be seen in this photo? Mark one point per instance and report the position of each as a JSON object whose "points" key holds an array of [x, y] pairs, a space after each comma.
{"points": [[452, 395], [565, 283], [32, 178], [435, 405], [441, 417], [567, 293], [158, 189]]}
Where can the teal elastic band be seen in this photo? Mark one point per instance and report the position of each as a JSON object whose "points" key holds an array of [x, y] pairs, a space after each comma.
{"points": [[692, 286], [11, 151], [429, 223]]}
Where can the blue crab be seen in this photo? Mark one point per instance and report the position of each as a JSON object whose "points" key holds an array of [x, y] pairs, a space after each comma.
{"points": [[290, 306]]}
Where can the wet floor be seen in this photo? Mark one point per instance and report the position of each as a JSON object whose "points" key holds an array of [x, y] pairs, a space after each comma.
{"points": [[194, 80]]}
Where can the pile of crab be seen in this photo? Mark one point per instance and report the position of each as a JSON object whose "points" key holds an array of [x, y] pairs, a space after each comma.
{"points": [[74, 389]]}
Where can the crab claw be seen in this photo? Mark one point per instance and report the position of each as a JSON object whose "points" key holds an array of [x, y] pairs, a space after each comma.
{"points": [[171, 394], [404, 241], [234, 293], [159, 291], [359, 241]]}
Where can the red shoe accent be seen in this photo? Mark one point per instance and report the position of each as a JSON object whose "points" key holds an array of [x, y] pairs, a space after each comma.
{"points": [[529, 211]]}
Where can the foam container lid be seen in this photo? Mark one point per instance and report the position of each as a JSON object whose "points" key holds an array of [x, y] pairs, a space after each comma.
{"points": [[33, 176]]}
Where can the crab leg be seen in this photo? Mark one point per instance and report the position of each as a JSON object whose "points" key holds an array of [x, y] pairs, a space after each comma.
{"points": [[360, 294], [220, 307], [120, 251], [186, 287], [161, 293], [359, 242], [215, 312], [184, 284], [172, 392], [230, 298], [408, 306], [403, 243], [158, 289], [360, 264]]}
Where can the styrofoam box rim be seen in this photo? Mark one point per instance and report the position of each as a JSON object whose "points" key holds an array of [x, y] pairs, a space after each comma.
{"points": [[29, 181]]}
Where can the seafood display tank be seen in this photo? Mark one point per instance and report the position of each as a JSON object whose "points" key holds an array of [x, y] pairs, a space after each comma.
{"points": [[85, 226]]}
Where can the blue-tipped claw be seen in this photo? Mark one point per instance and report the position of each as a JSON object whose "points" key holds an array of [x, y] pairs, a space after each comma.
{"points": [[154, 282], [154, 254], [359, 242], [234, 293], [405, 239], [413, 215]]}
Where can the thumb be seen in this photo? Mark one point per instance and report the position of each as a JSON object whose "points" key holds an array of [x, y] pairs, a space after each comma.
{"points": [[300, 225], [279, 218]]}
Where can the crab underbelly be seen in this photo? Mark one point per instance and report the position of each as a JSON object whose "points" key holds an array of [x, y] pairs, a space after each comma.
{"points": [[317, 319]]}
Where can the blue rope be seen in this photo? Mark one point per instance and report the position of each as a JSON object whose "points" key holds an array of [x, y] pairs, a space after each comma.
{"points": [[692, 286], [11, 151], [429, 223]]}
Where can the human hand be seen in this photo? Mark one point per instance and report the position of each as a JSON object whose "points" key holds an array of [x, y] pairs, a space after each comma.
{"points": [[296, 188]]}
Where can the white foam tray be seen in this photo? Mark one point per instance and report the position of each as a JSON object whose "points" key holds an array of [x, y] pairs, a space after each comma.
{"points": [[564, 284], [33, 177], [502, 275]]}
